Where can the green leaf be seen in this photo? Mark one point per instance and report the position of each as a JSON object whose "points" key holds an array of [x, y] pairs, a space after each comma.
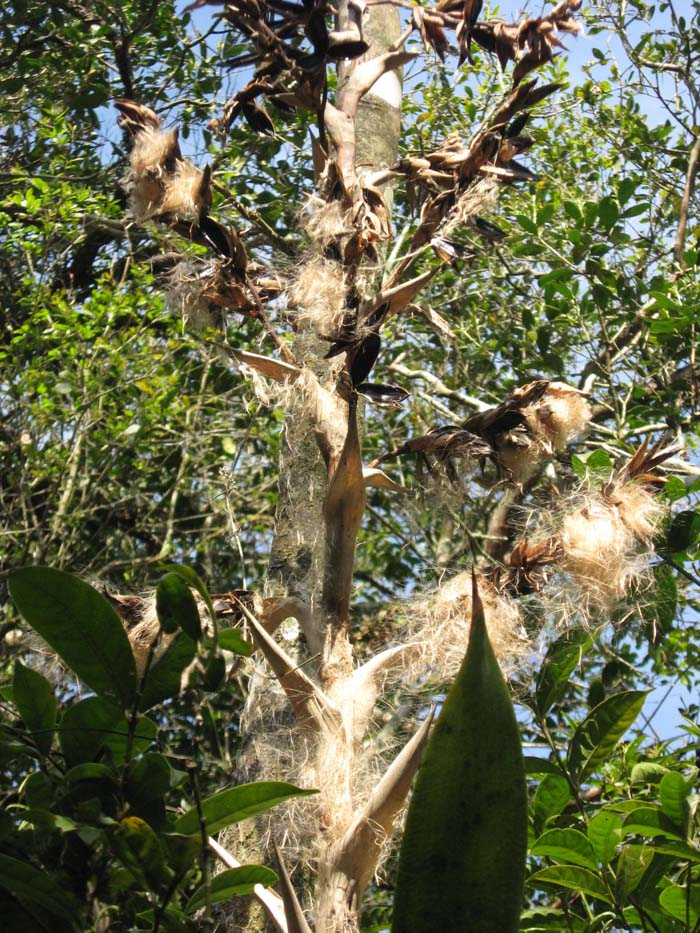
{"points": [[466, 829], [674, 489], [81, 627], [93, 725], [647, 772], [536, 765], [604, 832], [660, 609], [192, 578], [566, 845], [163, 678], [599, 464], [527, 224], [90, 771], [572, 877], [563, 656], [677, 850], [682, 903], [674, 796], [182, 850], [24, 881], [238, 803], [230, 639], [650, 821], [549, 918], [176, 607], [83, 729], [141, 852], [147, 784], [684, 531], [632, 863], [38, 790], [235, 881], [608, 212], [552, 795], [626, 189], [595, 738], [36, 701]]}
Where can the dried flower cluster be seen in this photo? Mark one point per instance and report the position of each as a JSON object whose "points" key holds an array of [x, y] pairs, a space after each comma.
{"points": [[160, 183], [535, 422]]}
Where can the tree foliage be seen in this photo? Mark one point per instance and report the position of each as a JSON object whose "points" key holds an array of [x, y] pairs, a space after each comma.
{"points": [[130, 439]]}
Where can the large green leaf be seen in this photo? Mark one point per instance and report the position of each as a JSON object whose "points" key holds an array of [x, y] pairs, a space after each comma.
{"points": [[566, 845], [95, 724], [37, 887], [176, 607], [650, 821], [466, 830], [574, 878], [141, 851], [238, 803], [561, 659], [675, 799], [552, 795], [36, 701], [231, 639], [551, 918], [192, 578], [163, 678], [84, 728], [633, 862], [604, 832], [81, 627], [235, 881], [596, 737], [683, 903]]}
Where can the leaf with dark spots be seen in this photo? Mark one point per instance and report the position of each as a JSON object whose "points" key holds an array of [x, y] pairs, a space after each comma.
{"points": [[363, 359]]}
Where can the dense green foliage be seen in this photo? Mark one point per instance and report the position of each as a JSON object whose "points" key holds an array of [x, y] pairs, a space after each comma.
{"points": [[125, 441], [92, 838]]}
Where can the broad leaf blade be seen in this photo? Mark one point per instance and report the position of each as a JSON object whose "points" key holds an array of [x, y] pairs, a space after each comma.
{"points": [[466, 830], [238, 803], [163, 677], [81, 627], [25, 881], [681, 903], [561, 659], [176, 607], [675, 799], [596, 737], [235, 881], [566, 845], [231, 639], [573, 878], [36, 701], [605, 832]]}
